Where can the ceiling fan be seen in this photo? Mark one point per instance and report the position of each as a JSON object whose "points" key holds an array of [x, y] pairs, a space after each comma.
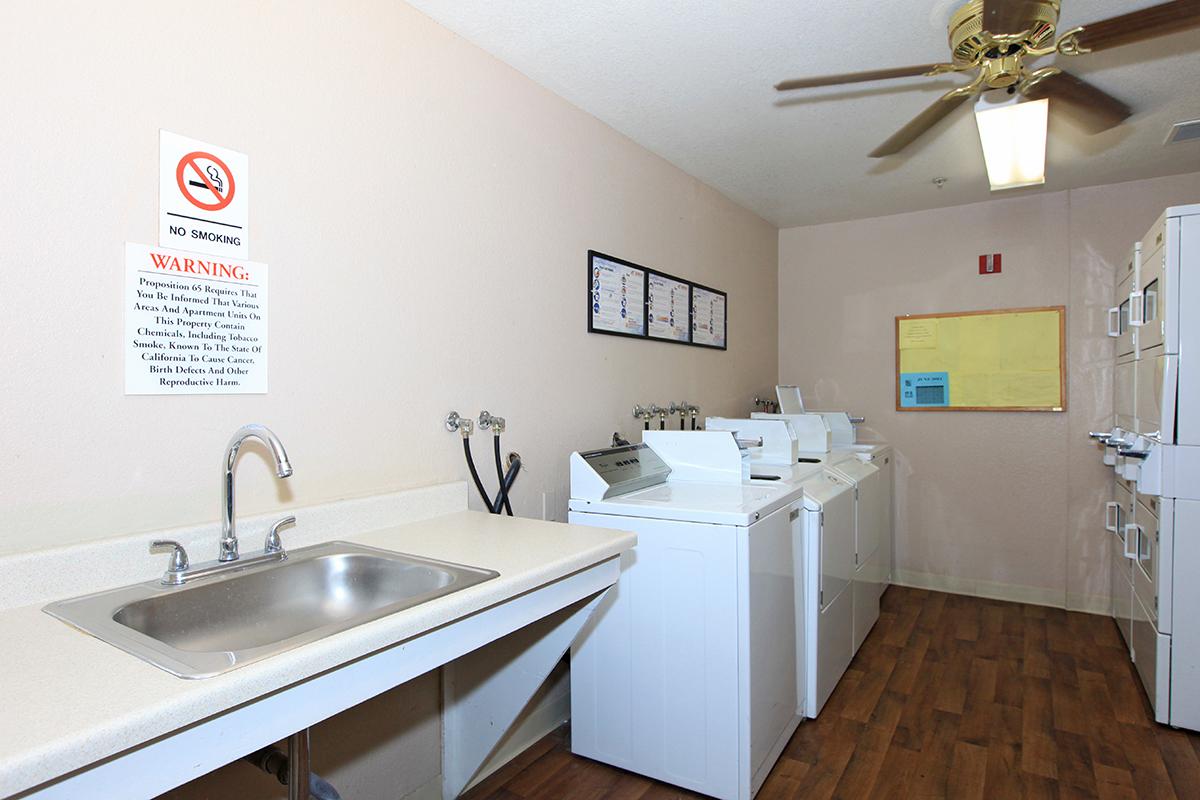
{"points": [[994, 38]]}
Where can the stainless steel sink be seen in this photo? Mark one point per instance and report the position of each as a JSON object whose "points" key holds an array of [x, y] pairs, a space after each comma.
{"points": [[223, 621]]}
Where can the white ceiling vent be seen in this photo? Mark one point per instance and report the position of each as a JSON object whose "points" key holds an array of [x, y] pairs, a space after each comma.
{"points": [[1184, 132]]}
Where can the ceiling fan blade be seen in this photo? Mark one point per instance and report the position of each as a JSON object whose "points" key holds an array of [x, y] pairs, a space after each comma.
{"points": [[858, 77], [1094, 108], [1137, 26], [923, 122], [1008, 16]]}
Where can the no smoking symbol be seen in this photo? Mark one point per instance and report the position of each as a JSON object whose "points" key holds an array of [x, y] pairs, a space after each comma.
{"points": [[205, 181]]}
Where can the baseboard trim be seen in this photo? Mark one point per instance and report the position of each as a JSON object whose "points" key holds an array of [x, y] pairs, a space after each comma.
{"points": [[429, 791], [991, 590], [1090, 604]]}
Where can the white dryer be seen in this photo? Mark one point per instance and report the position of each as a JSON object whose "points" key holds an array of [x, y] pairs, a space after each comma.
{"points": [[827, 632], [687, 671], [848, 529]]}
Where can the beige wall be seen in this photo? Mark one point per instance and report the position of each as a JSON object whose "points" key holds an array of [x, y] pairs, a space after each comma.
{"points": [[425, 210], [1003, 504]]}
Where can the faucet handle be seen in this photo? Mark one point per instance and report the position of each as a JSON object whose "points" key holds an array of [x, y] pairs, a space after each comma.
{"points": [[274, 544], [178, 564]]}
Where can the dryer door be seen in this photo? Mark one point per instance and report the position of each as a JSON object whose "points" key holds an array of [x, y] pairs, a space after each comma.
{"points": [[1125, 392], [836, 540], [1147, 309], [1121, 318], [870, 509], [767, 650], [829, 615], [1155, 402], [870, 514]]}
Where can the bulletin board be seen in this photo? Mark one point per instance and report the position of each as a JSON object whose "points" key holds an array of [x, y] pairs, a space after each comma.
{"points": [[1011, 359]]}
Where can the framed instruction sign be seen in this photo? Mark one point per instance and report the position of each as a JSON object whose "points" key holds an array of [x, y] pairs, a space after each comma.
{"points": [[709, 317], [668, 308], [616, 296]]}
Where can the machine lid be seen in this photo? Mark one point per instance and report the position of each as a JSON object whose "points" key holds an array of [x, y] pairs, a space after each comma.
{"points": [[870, 449], [687, 501], [855, 470], [790, 475], [822, 487]]}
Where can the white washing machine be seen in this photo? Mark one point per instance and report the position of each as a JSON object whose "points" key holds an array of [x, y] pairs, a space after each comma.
{"points": [[687, 671], [869, 468], [848, 499]]}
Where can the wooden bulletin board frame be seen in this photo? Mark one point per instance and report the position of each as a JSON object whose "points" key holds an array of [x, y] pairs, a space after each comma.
{"points": [[1062, 358]]}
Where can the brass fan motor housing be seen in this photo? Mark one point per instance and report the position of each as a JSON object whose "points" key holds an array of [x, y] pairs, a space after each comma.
{"points": [[971, 44], [996, 43]]}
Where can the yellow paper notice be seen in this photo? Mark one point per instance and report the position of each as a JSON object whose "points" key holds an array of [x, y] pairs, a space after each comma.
{"points": [[1025, 390], [918, 334], [991, 360]]}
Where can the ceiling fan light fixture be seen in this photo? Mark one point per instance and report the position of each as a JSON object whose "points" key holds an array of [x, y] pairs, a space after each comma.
{"points": [[1013, 134]]}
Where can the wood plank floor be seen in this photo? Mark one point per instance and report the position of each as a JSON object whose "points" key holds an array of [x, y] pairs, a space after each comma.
{"points": [[953, 697]]}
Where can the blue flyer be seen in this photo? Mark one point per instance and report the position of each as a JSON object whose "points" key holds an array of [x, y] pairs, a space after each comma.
{"points": [[924, 389]]}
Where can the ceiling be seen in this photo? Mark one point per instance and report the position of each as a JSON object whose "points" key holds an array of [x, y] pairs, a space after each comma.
{"points": [[692, 81]]}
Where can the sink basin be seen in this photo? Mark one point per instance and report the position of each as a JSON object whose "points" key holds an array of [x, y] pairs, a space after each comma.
{"points": [[220, 622]]}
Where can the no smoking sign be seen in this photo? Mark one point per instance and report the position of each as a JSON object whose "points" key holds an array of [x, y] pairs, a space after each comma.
{"points": [[203, 197], [205, 181]]}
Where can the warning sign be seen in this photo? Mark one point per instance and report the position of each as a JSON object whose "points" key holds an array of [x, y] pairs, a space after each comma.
{"points": [[203, 197], [194, 324]]}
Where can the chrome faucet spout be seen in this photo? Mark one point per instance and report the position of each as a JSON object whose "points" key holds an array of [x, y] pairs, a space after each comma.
{"points": [[283, 468]]}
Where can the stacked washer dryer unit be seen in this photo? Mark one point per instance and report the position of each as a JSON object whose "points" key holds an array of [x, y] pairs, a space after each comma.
{"points": [[1153, 520], [687, 671]]}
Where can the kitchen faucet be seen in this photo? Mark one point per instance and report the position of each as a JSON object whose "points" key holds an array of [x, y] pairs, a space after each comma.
{"points": [[283, 468]]}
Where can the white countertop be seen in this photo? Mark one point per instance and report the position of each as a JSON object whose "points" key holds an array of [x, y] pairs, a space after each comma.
{"points": [[70, 699]]}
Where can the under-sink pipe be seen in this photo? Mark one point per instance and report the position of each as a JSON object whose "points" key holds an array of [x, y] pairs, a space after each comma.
{"points": [[475, 473], [500, 474], [514, 466], [299, 768], [293, 770]]}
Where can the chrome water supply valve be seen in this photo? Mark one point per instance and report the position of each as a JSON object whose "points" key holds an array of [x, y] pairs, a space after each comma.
{"points": [[455, 422], [682, 410], [656, 410], [489, 422]]}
